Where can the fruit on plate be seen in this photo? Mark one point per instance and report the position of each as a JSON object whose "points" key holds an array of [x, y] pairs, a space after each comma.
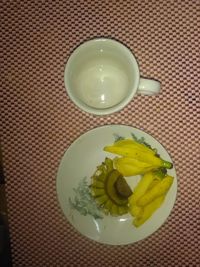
{"points": [[148, 211], [130, 148], [122, 187], [161, 188], [144, 184], [110, 189], [148, 195], [136, 158]]}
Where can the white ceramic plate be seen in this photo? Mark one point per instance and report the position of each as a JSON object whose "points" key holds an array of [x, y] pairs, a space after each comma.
{"points": [[77, 166]]}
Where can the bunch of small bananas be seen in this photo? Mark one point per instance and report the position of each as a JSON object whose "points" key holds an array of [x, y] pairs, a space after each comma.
{"points": [[136, 158], [148, 195]]}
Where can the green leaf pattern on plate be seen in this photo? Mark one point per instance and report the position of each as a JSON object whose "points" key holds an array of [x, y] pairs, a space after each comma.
{"points": [[84, 202]]}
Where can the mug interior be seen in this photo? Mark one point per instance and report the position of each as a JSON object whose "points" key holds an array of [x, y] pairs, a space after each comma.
{"points": [[101, 75]]}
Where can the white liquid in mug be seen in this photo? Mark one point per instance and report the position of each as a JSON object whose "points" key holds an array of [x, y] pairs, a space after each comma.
{"points": [[102, 84]]}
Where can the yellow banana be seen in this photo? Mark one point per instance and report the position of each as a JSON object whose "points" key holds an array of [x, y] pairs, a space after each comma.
{"points": [[130, 142], [129, 152], [141, 187], [130, 166], [161, 188], [153, 183], [149, 210], [136, 211], [140, 157], [128, 148], [138, 192]]}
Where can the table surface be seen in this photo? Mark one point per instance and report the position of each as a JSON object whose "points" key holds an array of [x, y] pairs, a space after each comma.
{"points": [[39, 122]]}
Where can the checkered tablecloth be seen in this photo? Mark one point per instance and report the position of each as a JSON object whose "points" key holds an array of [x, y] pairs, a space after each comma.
{"points": [[38, 122]]}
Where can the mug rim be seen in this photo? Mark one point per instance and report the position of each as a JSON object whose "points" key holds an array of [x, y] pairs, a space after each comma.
{"points": [[102, 111]]}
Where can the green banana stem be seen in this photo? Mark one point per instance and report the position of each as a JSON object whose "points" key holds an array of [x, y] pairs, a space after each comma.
{"points": [[160, 173], [167, 164]]}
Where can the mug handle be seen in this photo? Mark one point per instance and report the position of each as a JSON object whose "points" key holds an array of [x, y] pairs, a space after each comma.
{"points": [[148, 87]]}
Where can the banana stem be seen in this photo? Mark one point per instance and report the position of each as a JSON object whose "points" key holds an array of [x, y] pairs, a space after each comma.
{"points": [[167, 164]]}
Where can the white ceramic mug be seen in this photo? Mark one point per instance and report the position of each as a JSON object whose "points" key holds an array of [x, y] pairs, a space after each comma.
{"points": [[102, 76]]}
